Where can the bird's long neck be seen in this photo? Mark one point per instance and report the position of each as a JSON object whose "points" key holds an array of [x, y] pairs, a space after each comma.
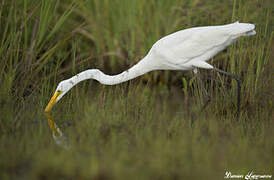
{"points": [[142, 67]]}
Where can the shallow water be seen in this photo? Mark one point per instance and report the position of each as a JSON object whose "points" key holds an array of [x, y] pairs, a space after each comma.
{"points": [[120, 135], [58, 136]]}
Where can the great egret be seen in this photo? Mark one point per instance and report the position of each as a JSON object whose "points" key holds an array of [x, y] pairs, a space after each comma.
{"points": [[187, 49]]}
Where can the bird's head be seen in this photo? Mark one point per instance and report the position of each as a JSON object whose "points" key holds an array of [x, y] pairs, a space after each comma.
{"points": [[62, 88]]}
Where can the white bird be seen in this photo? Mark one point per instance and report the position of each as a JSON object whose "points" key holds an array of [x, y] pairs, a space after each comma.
{"points": [[187, 49]]}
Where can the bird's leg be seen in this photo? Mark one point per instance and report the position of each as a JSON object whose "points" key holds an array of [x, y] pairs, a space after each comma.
{"points": [[207, 96], [239, 82], [204, 91]]}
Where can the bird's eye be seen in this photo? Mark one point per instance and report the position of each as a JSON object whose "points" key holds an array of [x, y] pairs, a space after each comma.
{"points": [[58, 91]]}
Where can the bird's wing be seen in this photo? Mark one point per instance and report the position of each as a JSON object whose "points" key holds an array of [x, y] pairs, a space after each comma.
{"points": [[183, 46]]}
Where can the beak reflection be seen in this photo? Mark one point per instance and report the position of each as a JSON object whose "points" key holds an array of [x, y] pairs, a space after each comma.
{"points": [[58, 136]]}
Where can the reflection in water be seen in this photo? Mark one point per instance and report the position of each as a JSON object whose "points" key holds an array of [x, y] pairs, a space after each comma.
{"points": [[58, 136]]}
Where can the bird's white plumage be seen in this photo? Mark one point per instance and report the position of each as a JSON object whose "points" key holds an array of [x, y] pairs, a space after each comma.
{"points": [[183, 50], [197, 44]]}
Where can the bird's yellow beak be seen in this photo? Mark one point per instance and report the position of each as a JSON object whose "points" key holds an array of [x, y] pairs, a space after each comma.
{"points": [[52, 101]]}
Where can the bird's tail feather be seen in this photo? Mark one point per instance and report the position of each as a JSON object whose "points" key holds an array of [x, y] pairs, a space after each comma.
{"points": [[242, 29]]}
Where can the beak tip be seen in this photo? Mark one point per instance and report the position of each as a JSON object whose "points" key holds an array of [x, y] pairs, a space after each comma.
{"points": [[48, 108]]}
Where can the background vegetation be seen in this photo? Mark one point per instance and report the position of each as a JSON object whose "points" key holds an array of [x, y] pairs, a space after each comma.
{"points": [[148, 128]]}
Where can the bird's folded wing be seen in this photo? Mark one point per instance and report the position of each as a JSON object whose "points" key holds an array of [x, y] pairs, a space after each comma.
{"points": [[197, 44]]}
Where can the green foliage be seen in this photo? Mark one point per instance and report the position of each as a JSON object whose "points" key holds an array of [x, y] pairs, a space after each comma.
{"points": [[148, 128]]}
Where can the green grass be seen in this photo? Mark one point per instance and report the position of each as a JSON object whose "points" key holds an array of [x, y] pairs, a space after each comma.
{"points": [[149, 128]]}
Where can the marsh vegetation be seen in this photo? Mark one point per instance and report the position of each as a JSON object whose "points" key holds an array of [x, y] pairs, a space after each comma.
{"points": [[148, 128]]}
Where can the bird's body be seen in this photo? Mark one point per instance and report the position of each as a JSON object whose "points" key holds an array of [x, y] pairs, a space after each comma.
{"points": [[190, 48], [183, 50]]}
